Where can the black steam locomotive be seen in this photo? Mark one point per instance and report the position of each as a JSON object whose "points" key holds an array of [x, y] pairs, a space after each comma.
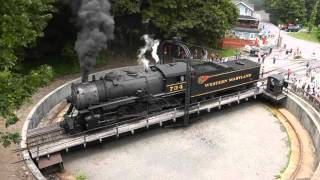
{"points": [[133, 92]]}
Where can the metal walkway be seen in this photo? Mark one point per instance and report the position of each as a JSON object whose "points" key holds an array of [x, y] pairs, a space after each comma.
{"points": [[172, 115]]}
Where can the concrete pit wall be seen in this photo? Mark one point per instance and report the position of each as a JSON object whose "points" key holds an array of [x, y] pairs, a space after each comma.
{"points": [[308, 118]]}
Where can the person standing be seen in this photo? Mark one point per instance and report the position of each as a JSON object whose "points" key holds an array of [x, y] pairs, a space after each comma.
{"points": [[274, 59], [263, 58], [289, 73]]}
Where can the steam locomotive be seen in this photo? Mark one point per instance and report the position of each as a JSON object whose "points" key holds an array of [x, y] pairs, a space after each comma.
{"points": [[181, 78], [133, 92]]}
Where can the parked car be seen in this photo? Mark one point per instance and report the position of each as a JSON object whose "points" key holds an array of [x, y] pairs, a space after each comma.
{"points": [[283, 26], [293, 28]]}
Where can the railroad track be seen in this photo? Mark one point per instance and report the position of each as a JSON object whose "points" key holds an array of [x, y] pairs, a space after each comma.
{"points": [[299, 143], [47, 134], [294, 175]]}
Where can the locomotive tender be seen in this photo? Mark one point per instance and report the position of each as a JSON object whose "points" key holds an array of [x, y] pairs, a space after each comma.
{"points": [[133, 92]]}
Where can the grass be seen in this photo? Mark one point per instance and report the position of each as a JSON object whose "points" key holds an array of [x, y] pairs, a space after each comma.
{"points": [[227, 52], [81, 176], [284, 168], [312, 36]]}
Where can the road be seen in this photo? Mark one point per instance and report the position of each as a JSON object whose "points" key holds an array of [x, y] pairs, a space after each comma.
{"points": [[285, 62], [306, 47]]}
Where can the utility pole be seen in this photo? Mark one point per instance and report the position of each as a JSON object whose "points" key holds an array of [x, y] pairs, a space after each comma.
{"points": [[279, 41]]}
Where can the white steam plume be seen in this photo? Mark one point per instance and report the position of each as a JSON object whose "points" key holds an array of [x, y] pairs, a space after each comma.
{"points": [[154, 51], [150, 45]]}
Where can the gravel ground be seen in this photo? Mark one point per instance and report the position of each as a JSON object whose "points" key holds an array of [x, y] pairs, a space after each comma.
{"points": [[241, 142]]}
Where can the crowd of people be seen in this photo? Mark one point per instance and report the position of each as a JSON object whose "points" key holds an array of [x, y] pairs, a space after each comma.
{"points": [[308, 85]]}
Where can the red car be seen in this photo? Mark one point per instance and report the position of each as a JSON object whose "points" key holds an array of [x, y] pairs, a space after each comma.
{"points": [[283, 26]]}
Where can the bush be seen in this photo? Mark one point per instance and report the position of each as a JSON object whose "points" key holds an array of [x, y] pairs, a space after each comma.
{"points": [[318, 33], [14, 90], [39, 77], [81, 176]]}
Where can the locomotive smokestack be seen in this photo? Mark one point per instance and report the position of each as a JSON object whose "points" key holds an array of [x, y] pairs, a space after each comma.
{"points": [[97, 26]]}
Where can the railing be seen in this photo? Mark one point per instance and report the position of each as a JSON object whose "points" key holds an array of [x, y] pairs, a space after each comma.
{"points": [[310, 98], [180, 108], [118, 128]]}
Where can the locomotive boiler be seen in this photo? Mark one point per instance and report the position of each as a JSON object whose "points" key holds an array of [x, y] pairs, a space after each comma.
{"points": [[133, 92]]}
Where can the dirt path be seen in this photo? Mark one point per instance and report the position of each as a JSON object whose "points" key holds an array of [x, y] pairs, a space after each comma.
{"points": [[18, 171]]}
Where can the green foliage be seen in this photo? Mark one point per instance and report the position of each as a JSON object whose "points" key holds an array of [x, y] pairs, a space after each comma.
{"points": [[313, 17], [258, 4], [81, 176], [309, 4], [196, 21], [7, 138], [123, 7], [288, 11], [227, 52], [312, 36], [69, 52], [40, 77], [318, 34], [21, 23], [15, 89]]}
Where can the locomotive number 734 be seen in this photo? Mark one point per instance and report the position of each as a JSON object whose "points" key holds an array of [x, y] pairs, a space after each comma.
{"points": [[176, 87]]}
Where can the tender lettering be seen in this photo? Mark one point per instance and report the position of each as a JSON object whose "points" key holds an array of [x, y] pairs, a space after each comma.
{"points": [[224, 81]]}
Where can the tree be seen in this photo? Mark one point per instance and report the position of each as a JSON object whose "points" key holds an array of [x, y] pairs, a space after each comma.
{"points": [[267, 5], [309, 4], [313, 17], [288, 11], [128, 20], [198, 21], [258, 4], [21, 23]]}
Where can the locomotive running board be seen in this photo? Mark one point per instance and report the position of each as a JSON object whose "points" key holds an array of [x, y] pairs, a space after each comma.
{"points": [[69, 142]]}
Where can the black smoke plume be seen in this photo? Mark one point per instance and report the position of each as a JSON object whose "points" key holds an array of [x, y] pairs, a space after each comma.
{"points": [[97, 26]]}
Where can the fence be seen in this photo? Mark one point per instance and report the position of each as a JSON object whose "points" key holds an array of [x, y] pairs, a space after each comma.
{"points": [[229, 42]]}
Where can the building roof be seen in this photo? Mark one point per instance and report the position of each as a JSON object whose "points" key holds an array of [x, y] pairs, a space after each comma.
{"points": [[245, 3], [241, 29], [241, 17]]}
